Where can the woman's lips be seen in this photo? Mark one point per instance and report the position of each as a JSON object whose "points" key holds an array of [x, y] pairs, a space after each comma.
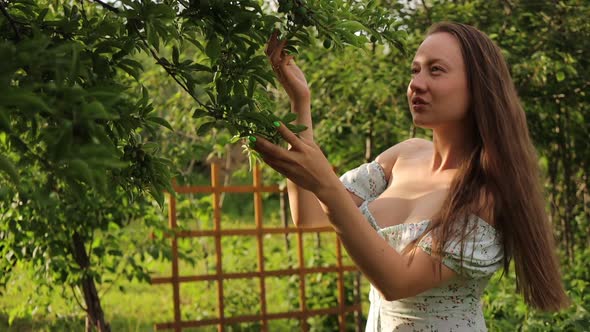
{"points": [[419, 107], [418, 104]]}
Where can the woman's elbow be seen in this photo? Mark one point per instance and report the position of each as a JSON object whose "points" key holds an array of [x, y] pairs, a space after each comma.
{"points": [[390, 294]]}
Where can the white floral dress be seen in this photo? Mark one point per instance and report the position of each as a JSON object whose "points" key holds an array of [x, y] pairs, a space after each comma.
{"points": [[455, 305]]}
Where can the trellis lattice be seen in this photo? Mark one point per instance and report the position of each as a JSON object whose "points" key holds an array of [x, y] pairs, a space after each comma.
{"points": [[216, 189]]}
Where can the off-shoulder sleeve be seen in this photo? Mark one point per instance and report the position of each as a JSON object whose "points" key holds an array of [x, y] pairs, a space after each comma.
{"points": [[482, 251], [366, 181]]}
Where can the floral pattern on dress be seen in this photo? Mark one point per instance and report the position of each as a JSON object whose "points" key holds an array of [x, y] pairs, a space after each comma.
{"points": [[454, 305], [366, 181]]}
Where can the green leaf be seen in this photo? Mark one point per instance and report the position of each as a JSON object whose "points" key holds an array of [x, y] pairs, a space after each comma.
{"points": [[199, 113], [296, 128], [175, 54], [251, 86], [8, 167], [22, 98], [205, 128], [131, 63], [113, 227], [115, 252], [196, 43], [150, 147], [152, 36], [160, 121], [96, 110], [199, 67], [290, 117], [157, 194], [80, 168], [131, 67], [235, 138], [258, 118], [42, 14], [560, 76], [4, 120], [351, 26], [213, 49]]}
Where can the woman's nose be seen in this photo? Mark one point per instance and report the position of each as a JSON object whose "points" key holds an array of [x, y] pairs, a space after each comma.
{"points": [[418, 83]]}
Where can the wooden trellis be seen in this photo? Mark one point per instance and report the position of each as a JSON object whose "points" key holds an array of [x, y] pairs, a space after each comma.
{"points": [[216, 189]]}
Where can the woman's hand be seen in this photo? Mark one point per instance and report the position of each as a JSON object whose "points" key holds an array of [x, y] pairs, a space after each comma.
{"points": [[303, 163], [291, 77]]}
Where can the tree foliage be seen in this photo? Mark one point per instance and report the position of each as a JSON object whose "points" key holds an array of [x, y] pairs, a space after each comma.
{"points": [[91, 89], [79, 132]]}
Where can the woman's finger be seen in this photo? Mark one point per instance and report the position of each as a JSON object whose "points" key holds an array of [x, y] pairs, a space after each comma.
{"points": [[290, 137], [266, 148], [286, 61], [283, 66], [278, 165], [272, 42], [277, 54]]}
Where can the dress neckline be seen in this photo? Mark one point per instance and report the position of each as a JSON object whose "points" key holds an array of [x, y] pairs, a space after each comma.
{"points": [[364, 207]]}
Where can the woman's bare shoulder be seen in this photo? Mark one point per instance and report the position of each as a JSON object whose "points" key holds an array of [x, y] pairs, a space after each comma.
{"points": [[389, 157], [416, 142], [408, 146]]}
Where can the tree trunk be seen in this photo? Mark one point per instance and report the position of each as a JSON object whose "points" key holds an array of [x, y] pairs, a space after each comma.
{"points": [[369, 143], [569, 192], [95, 315]]}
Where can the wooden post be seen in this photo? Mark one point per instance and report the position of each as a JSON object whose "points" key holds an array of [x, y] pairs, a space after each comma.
{"points": [[175, 284], [258, 216], [217, 229], [341, 299], [302, 303]]}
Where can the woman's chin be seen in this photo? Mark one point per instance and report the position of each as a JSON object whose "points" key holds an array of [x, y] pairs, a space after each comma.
{"points": [[420, 123]]}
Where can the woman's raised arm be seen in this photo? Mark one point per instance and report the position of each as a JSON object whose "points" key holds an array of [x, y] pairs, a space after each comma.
{"points": [[305, 207]]}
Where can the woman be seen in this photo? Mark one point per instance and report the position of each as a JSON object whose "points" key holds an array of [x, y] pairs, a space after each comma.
{"points": [[429, 222]]}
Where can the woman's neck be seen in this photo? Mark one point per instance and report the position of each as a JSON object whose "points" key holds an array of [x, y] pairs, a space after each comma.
{"points": [[452, 145]]}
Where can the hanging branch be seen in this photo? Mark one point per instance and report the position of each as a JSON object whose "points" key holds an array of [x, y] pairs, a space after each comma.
{"points": [[427, 10], [153, 52], [107, 6], [161, 63], [10, 19], [77, 300]]}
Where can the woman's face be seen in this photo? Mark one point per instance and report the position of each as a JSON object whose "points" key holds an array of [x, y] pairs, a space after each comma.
{"points": [[438, 94]]}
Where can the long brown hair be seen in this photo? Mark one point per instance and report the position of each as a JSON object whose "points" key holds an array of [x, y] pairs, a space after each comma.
{"points": [[500, 176]]}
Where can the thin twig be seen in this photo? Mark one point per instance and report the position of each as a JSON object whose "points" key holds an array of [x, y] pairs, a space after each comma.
{"points": [[427, 10], [161, 63], [78, 301], [10, 19]]}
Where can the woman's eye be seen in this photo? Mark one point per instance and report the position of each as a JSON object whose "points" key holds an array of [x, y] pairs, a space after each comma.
{"points": [[415, 70], [436, 68]]}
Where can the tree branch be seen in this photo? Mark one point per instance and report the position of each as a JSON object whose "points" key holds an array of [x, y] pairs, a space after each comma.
{"points": [[161, 63], [427, 10], [10, 19], [77, 300]]}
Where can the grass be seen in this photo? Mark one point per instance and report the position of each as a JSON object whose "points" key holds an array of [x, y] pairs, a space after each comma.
{"points": [[130, 305]]}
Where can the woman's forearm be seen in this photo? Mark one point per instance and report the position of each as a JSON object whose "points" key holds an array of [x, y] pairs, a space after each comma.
{"points": [[305, 207], [303, 110], [379, 262]]}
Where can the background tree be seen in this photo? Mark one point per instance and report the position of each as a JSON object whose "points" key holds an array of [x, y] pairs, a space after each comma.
{"points": [[193, 64], [79, 135]]}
